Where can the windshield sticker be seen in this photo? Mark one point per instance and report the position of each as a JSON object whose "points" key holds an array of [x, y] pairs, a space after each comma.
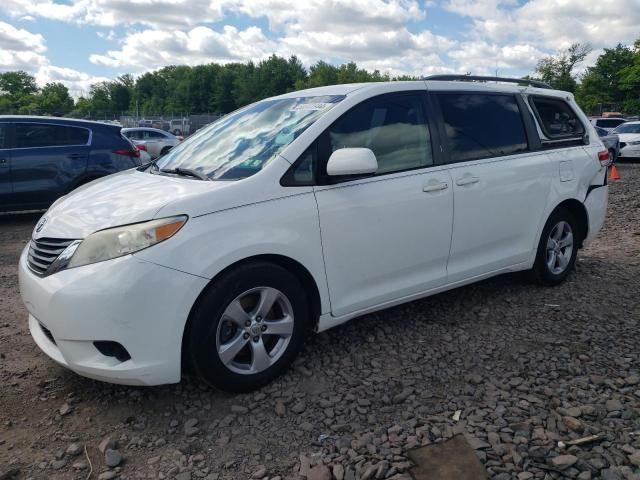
{"points": [[311, 106]]}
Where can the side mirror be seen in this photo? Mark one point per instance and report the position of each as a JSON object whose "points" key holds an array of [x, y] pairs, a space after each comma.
{"points": [[352, 161]]}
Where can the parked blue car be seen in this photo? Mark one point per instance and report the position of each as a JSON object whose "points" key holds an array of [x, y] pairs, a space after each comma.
{"points": [[43, 158]]}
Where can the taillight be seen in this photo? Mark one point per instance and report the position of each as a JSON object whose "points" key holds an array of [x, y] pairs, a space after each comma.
{"points": [[128, 153], [142, 146], [180, 138], [604, 158]]}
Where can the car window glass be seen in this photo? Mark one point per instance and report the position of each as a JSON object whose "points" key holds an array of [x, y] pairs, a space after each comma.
{"points": [[29, 135], [4, 135], [601, 132], [557, 118], [149, 134], [628, 128], [481, 126], [394, 127]]}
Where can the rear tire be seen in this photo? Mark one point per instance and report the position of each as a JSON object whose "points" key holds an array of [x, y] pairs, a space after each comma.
{"points": [[248, 327], [557, 250]]}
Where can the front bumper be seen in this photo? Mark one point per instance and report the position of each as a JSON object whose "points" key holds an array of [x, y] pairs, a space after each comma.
{"points": [[138, 304]]}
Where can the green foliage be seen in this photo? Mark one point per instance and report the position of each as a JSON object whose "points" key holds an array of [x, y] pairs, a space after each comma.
{"points": [[54, 99], [558, 71]]}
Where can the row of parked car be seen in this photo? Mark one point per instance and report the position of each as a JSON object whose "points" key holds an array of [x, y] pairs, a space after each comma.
{"points": [[42, 159], [620, 135]]}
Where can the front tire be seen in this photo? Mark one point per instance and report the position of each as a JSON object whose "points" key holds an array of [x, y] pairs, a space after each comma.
{"points": [[248, 327], [557, 250]]}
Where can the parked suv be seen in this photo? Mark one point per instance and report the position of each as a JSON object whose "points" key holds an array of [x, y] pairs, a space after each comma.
{"points": [[43, 158], [300, 212]]}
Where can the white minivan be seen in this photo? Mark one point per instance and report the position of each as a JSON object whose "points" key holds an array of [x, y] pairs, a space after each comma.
{"points": [[302, 211]]}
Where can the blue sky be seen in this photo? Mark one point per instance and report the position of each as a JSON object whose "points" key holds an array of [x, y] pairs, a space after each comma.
{"points": [[80, 42]]}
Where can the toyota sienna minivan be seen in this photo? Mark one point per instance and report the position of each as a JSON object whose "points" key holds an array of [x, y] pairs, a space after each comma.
{"points": [[302, 211]]}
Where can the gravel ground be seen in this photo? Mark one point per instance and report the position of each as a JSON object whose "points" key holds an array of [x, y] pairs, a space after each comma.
{"points": [[526, 366]]}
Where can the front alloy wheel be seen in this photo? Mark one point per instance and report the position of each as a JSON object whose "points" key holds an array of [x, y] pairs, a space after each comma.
{"points": [[255, 330], [248, 326]]}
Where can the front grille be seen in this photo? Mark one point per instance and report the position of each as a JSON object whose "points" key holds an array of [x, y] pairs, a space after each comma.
{"points": [[47, 333], [43, 252]]}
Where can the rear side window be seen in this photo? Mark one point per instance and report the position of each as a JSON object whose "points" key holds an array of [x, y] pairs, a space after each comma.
{"points": [[148, 134], [393, 126], [557, 119], [29, 135], [481, 126], [609, 122]]}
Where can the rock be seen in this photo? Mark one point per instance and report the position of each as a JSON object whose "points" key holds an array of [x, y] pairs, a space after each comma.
{"points": [[319, 472], [239, 409], [65, 409], [613, 405], [281, 410], [259, 473], [74, 449], [299, 407], [573, 424], [80, 465], [107, 475], [562, 462], [183, 476], [305, 466], [525, 476], [635, 458], [108, 442], [476, 443], [338, 471], [585, 475], [190, 428], [112, 458], [58, 464]]}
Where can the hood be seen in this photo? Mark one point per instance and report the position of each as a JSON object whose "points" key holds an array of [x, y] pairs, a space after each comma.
{"points": [[120, 199], [629, 137]]}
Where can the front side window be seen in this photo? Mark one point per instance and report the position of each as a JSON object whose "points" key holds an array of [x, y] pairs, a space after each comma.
{"points": [[557, 119], [243, 142], [482, 126], [4, 135], [30, 135], [393, 126]]}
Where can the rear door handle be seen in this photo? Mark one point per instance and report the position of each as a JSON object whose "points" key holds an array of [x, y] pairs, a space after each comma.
{"points": [[3, 161], [467, 180], [435, 187]]}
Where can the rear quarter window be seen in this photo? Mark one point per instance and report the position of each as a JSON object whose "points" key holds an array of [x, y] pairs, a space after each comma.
{"points": [[556, 118]]}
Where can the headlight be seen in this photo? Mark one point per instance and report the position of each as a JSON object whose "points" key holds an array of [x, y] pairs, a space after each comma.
{"points": [[637, 142], [116, 242]]}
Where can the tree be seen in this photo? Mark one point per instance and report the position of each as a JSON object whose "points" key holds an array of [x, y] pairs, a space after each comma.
{"points": [[557, 70], [17, 92], [54, 99]]}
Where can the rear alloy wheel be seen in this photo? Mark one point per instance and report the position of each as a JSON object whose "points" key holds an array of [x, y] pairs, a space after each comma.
{"points": [[557, 250], [248, 327]]}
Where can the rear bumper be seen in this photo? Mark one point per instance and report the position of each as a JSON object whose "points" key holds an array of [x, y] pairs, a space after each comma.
{"points": [[138, 304], [596, 206]]}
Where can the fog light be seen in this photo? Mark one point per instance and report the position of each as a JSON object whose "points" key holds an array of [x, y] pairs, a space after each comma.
{"points": [[112, 349]]}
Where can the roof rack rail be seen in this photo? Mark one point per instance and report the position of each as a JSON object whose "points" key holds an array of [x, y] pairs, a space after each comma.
{"points": [[480, 78]]}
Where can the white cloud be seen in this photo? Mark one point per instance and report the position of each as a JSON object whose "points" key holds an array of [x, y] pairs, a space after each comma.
{"points": [[151, 49], [18, 39], [77, 82], [482, 58]]}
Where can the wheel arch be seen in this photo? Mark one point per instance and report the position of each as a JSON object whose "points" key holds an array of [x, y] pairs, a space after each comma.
{"points": [[579, 211], [296, 268]]}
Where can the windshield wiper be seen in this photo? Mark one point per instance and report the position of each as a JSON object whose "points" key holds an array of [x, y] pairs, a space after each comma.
{"points": [[185, 172]]}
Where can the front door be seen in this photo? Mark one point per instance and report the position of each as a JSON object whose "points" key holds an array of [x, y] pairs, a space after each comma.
{"points": [[387, 236]]}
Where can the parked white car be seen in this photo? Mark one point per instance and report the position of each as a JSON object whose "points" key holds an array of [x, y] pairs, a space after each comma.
{"points": [[607, 123], [157, 142], [629, 134], [302, 211]]}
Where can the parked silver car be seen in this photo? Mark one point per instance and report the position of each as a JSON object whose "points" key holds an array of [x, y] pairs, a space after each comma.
{"points": [[155, 141], [611, 141]]}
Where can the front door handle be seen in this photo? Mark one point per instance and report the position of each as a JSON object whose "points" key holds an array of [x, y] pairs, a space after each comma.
{"points": [[3, 161], [467, 180], [435, 187]]}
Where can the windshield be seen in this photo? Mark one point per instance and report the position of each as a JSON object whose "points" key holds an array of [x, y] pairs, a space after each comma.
{"points": [[628, 128], [242, 143]]}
